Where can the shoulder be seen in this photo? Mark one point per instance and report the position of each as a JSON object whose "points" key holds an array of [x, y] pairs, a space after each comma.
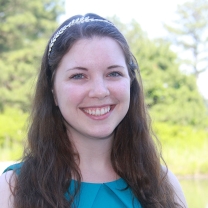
{"points": [[179, 198], [6, 181]]}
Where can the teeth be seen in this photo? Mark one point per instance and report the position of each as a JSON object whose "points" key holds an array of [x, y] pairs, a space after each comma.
{"points": [[98, 111]]}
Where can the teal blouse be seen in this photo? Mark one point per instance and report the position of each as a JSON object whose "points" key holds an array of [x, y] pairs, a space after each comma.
{"points": [[115, 194]]}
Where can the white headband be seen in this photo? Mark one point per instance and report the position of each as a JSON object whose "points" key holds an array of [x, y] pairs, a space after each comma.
{"points": [[73, 22]]}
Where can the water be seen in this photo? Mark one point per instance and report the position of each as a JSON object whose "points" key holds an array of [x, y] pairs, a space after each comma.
{"points": [[196, 192]]}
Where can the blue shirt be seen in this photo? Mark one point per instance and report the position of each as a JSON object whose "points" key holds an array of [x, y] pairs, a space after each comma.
{"points": [[115, 194]]}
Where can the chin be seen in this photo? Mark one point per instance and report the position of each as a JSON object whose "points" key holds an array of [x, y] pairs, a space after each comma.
{"points": [[105, 135]]}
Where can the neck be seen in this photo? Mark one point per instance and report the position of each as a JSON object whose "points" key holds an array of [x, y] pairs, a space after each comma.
{"points": [[95, 159]]}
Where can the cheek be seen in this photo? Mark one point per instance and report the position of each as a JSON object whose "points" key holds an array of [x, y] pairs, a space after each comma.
{"points": [[122, 92], [68, 95], [124, 89]]}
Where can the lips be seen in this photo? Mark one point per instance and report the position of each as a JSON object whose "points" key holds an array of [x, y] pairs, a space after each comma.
{"points": [[97, 111]]}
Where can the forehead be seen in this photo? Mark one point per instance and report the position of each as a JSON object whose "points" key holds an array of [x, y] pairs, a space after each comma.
{"points": [[94, 47]]}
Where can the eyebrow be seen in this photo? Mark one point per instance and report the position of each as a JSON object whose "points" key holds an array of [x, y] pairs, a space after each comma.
{"points": [[85, 69], [115, 66], [77, 67]]}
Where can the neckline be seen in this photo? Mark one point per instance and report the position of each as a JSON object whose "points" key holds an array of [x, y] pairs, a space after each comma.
{"points": [[100, 183]]}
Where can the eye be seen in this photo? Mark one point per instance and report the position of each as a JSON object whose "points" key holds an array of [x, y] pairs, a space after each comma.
{"points": [[77, 76], [115, 74]]}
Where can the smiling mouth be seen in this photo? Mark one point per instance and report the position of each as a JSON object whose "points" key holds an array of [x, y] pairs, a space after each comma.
{"points": [[97, 111]]}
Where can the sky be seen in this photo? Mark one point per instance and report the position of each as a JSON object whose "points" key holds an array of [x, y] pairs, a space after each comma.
{"points": [[150, 14]]}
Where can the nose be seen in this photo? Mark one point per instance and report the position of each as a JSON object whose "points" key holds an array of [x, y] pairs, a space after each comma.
{"points": [[99, 89]]}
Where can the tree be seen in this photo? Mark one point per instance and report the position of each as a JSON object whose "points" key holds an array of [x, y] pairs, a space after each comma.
{"points": [[190, 31], [25, 29], [24, 21], [171, 96]]}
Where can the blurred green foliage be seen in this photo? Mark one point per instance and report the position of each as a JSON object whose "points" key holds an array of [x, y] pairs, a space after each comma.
{"points": [[25, 29], [195, 192], [176, 107], [23, 22], [12, 133], [184, 148]]}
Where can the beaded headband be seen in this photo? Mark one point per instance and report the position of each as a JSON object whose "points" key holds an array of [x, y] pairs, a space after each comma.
{"points": [[73, 22]]}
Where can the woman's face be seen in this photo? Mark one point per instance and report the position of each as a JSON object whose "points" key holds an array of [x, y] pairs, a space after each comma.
{"points": [[92, 88]]}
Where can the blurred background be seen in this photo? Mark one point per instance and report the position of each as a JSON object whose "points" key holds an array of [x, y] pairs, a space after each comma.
{"points": [[170, 41]]}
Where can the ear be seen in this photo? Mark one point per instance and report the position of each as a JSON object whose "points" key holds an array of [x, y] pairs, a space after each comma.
{"points": [[54, 97]]}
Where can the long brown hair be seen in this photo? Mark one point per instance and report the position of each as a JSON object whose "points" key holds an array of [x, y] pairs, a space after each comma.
{"points": [[48, 162]]}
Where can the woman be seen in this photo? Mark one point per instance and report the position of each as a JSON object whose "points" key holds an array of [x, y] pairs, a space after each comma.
{"points": [[89, 142]]}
